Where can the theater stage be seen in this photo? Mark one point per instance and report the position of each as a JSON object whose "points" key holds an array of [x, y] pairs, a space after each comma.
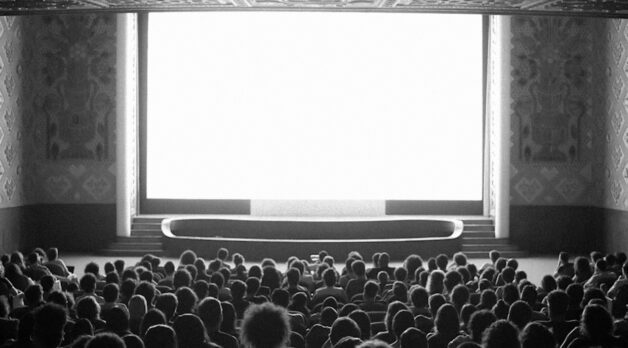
{"points": [[282, 237]]}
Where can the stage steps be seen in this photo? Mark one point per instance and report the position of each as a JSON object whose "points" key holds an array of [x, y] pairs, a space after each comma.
{"points": [[478, 238], [145, 239]]}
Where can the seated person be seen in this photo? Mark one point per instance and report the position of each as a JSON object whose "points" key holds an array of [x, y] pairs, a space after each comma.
{"points": [[330, 289], [55, 264], [370, 302]]}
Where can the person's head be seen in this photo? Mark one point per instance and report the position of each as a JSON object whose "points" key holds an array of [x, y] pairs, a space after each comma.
{"points": [[238, 289], [466, 312], [33, 295], [186, 300], [436, 301], [147, 290], [520, 314], [358, 268], [402, 321], [419, 297], [87, 308], [330, 301], [93, 268], [201, 288], [508, 274], [511, 293], [370, 290], [343, 327], [129, 274], [49, 321], [265, 326], [153, 317], [494, 255], [400, 291], [238, 259], [137, 306], [190, 331], [501, 334], [431, 264], [557, 304], [182, 277], [595, 256], [364, 322], [460, 259], [400, 274], [117, 320], [563, 281], [88, 283], [529, 295], [328, 316], [536, 335], [435, 283], [412, 263], [447, 321], [392, 309], [329, 277], [167, 303], [292, 276], [280, 297], [228, 324], [384, 259], [52, 254], [106, 340], [218, 279], [479, 322], [222, 254], [187, 258], [169, 268], [582, 267], [112, 277], [252, 285], [413, 338], [271, 277], [596, 323], [160, 336], [210, 312], [459, 296], [111, 292], [441, 261]]}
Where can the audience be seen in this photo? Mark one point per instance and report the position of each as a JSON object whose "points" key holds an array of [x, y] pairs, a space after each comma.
{"points": [[198, 303]]}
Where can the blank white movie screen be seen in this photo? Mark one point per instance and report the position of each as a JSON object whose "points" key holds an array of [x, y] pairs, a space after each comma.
{"points": [[314, 105]]}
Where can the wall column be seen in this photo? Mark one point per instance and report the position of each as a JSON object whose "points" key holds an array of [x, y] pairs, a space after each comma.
{"points": [[126, 123], [498, 107]]}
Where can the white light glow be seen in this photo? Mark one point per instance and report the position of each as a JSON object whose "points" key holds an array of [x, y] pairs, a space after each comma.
{"points": [[314, 105]]}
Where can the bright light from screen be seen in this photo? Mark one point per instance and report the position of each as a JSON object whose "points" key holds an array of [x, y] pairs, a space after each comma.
{"points": [[314, 105]]}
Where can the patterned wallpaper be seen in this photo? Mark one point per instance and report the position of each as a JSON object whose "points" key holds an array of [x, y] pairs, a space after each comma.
{"points": [[12, 109], [611, 107], [71, 129], [552, 143]]}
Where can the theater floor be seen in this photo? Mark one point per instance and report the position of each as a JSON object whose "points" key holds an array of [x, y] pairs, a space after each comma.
{"points": [[536, 267]]}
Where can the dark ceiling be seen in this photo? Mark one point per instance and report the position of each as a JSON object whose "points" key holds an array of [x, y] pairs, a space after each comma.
{"points": [[594, 8]]}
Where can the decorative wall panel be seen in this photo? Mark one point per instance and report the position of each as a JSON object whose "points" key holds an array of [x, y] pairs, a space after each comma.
{"points": [[71, 136], [611, 106], [12, 112], [551, 111]]}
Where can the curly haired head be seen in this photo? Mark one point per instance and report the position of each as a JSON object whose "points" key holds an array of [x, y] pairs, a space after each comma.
{"points": [[265, 326]]}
